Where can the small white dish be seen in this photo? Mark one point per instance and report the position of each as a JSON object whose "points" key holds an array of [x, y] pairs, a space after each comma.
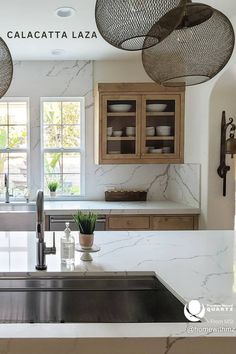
{"points": [[163, 130], [119, 107], [156, 107], [117, 133]]}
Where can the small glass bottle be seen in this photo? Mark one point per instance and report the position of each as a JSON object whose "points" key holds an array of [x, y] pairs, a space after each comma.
{"points": [[67, 246]]}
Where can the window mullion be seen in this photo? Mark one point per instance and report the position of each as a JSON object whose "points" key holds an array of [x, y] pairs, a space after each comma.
{"points": [[5, 151], [52, 150]]}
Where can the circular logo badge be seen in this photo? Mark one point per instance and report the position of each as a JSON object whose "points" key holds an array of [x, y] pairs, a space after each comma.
{"points": [[194, 311]]}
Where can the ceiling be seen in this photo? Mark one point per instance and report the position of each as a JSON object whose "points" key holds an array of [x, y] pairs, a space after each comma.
{"points": [[27, 15]]}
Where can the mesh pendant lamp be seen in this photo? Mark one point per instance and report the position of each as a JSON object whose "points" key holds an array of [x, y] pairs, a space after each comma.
{"points": [[6, 68], [196, 51], [126, 23]]}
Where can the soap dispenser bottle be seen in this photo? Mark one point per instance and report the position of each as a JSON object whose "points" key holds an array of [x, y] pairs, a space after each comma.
{"points": [[67, 246]]}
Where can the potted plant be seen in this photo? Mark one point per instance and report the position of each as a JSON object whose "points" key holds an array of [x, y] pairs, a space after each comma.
{"points": [[86, 223], [52, 186]]}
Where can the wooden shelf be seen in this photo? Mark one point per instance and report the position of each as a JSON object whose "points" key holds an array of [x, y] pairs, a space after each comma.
{"points": [[121, 138], [121, 114], [160, 138], [160, 114]]}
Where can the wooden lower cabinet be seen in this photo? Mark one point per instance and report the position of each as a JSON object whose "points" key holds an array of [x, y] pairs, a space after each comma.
{"points": [[128, 222], [169, 222], [152, 222]]}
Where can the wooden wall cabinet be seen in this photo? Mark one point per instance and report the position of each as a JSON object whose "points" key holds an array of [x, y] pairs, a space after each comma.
{"points": [[139, 123]]}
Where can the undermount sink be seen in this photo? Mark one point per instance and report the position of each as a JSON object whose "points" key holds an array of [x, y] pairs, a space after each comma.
{"points": [[11, 207], [90, 299]]}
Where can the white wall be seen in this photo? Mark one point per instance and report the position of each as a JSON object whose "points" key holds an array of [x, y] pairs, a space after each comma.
{"points": [[120, 71], [222, 98]]}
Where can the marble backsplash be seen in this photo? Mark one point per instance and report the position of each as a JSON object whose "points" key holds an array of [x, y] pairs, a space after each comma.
{"points": [[179, 183], [36, 79]]}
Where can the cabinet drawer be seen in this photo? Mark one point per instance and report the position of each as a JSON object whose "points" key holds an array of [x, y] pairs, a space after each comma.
{"points": [[129, 222], [172, 223]]}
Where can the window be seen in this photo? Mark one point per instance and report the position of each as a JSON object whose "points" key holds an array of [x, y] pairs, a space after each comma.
{"points": [[63, 144], [14, 145]]}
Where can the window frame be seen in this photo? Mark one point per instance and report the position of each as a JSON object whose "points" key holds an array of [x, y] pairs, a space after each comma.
{"points": [[10, 99], [81, 150]]}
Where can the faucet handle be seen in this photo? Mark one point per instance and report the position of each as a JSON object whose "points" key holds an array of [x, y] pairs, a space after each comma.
{"points": [[53, 240], [50, 250]]}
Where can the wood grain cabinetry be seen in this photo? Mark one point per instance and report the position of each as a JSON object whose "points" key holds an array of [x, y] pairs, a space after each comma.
{"points": [[169, 222], [152, 222], [139, 123], [129, 223]]}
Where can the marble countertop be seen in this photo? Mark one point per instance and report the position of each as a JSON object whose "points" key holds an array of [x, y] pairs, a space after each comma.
{"points": [[106, 208], [195, 265]]}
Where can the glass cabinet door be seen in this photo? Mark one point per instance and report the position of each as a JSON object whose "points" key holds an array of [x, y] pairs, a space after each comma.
{"points": [[120, 128], [160, 126]]}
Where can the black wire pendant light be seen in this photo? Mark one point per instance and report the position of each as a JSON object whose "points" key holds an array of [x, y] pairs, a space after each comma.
{"points": [[196, 51], [126, 23], [6, 68]]}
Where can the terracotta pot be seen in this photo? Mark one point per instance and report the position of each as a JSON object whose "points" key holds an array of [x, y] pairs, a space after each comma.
{"points": [[85, 240], [53, 194]]}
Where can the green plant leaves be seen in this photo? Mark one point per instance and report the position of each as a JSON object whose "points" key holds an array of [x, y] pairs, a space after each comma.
{"points": [[86, 222]]}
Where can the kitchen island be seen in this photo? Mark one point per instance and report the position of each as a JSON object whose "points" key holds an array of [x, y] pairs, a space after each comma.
{"points": [[194, 265]]}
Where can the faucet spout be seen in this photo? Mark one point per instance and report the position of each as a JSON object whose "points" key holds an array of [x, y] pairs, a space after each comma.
{"points": [[40, 216], [41, 249]]}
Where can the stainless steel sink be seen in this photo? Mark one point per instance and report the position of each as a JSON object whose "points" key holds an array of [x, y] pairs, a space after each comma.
{"points": [[100, 299]]}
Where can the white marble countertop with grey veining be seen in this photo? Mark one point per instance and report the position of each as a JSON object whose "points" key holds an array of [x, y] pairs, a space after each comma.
{"points": [[106, 208], [194, 265]]}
